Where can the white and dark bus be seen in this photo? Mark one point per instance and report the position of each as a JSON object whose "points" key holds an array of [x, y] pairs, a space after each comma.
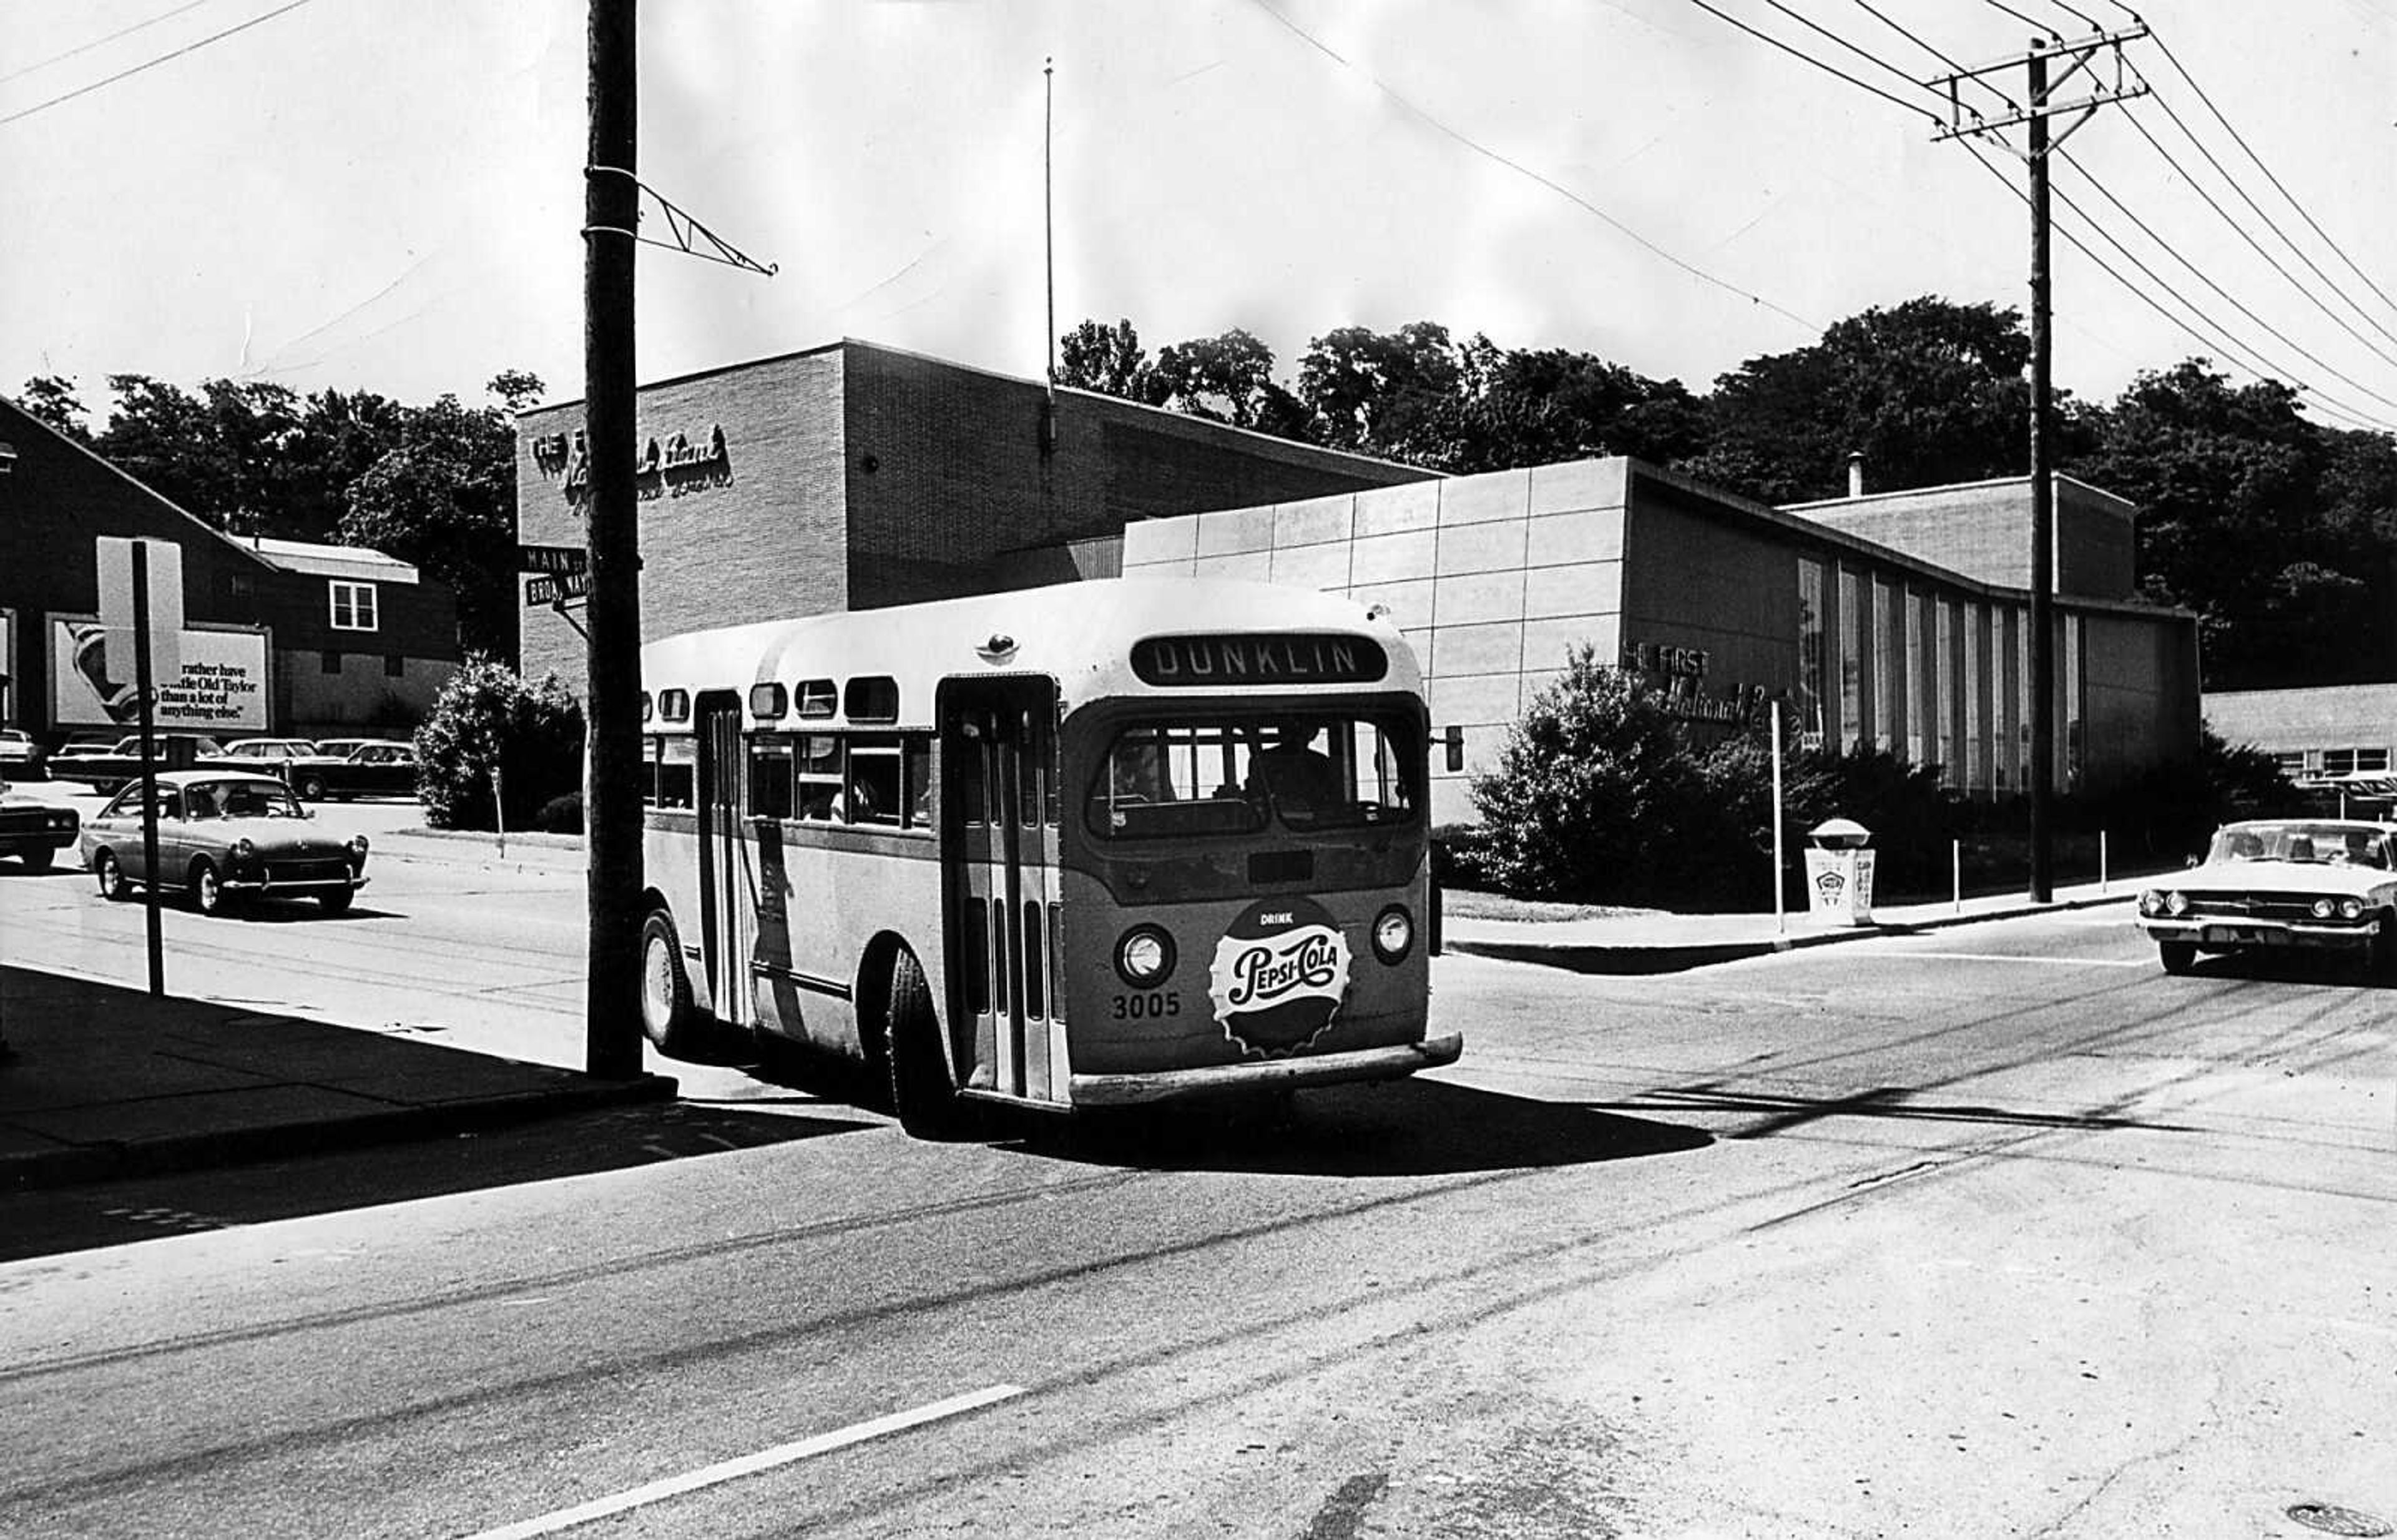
{"points": [[1098, 844]]}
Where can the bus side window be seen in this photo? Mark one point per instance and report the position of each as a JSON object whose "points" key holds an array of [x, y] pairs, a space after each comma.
{"points": [[819, 778], [650, 770], [874, 782], [676, 762], [917, 754], [770, 778]]}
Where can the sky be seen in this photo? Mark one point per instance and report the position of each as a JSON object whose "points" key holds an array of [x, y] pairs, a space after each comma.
{"points": [[370, 195]]}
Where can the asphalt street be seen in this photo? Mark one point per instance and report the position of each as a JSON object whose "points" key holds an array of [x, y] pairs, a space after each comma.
{"points": [[1997, 1230]]}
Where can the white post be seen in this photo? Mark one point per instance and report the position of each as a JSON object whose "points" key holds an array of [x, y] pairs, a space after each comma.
{"points": [[1956, 872], [498, 813], [1780, 911]]}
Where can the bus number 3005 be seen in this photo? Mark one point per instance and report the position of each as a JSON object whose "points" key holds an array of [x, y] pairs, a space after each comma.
{"points": [[1140, 1007]]}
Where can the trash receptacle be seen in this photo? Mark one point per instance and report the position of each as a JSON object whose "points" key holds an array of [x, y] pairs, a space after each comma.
{"points": [[1839, 873]]}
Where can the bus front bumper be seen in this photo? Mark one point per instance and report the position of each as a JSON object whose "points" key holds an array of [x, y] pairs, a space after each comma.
{"points": [[1320, 1070]]}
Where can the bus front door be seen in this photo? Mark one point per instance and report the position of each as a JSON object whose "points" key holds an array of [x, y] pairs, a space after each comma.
{"points": [[728, 916], [1000, 745]]}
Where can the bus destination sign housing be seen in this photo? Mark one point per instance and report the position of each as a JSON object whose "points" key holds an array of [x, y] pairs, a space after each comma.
{"points": [[1265, 657]]}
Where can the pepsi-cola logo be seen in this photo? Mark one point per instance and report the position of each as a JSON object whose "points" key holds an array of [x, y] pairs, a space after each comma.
{"points": [[1279, 974]]}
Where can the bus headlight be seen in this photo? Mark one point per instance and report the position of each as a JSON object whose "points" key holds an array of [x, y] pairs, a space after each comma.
{"points": [[1393, 934], [1145, 956]]}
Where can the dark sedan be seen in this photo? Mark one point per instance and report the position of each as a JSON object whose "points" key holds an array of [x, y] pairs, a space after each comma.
{"points": [[34, 832], [105, 769], [376, 769], [223, 837]]}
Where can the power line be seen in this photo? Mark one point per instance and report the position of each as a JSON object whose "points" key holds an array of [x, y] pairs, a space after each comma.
{"points": [[123, 74], [1860, 51], [1802, 54], [2221, 341], [97, 42], [1525, 172], [2175, 60], [2025, 20], [2246, 234], [2202, 276], [1939, 54]]}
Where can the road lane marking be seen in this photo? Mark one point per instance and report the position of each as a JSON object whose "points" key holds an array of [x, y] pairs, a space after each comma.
{"points": [[748, 1465], [2003, 956]]}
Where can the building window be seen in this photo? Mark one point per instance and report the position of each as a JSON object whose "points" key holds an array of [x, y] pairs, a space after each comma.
{"points": [[332, 661], [1976, 633], [1917, 714], [2372, 761], [354, 606], [1887, 727], [2022, 698], [1852, 661], [393, 666], [1943, 666], [1810, 653], [2074, 743]]}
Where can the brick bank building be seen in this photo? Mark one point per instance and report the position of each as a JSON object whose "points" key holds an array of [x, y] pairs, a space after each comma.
{"points": [[856, 476]]}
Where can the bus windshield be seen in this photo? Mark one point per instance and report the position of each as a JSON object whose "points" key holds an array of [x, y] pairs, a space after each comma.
{"points": [[1236, 774]]}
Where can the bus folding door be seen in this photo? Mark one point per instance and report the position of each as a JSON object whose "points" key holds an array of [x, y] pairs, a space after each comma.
{"points": [[999, 748], [727, 881]]}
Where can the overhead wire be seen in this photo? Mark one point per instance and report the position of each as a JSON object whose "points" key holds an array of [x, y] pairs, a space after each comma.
{"points": [[1807, 58], [2240, 140], [1527, 172], [102, 42], [2221, 341], [2240, 226], [1940, 54], [153, 63]]}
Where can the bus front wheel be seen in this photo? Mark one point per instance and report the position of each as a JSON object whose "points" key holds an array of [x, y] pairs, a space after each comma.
{"points": [[923, 1093], [668, 1019]]}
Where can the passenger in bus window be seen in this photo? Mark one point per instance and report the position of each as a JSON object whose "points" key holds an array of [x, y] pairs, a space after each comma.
{"points": [[1291, 772]]}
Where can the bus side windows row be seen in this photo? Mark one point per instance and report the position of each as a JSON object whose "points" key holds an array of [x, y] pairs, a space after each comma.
{"points": [[879, 780]]}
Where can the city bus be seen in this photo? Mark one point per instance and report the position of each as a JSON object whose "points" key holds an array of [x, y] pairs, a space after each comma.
{"points": [[1100, 844]]}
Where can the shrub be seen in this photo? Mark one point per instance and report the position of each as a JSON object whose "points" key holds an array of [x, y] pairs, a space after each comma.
{"points": [[488, 715], [1595, 793], [561, 814]]}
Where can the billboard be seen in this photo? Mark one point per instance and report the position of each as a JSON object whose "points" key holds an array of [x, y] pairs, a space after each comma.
{"points": [[221, 688]]}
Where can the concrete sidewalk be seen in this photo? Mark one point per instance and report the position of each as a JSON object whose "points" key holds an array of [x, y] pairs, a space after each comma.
{"points": [[1655, 941], [101, 1081]]}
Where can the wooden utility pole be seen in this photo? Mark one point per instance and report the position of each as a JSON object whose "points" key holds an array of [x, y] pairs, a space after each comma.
{"points": [[2040, 106], [612, 800]]}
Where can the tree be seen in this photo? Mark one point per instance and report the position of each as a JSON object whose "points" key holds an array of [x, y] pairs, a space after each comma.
{"points": [[1540, 407], [1929, 391], [487, 716], [1399, 394], [51, 398], [1226, 378], [445, 500], [1107, 359]]}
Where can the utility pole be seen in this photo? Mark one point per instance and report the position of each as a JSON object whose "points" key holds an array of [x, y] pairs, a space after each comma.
{"points": [[2040, 105], [612, 801]]}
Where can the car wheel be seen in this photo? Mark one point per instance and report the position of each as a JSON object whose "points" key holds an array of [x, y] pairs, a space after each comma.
{"points": [[113, 885], [668, 1018], [2179, 956], [207, 890], [311, 788], [337, 900], [923, 1093], [37, 858]]}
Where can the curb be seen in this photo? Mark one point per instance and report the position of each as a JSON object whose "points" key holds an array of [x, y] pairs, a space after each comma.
{"points": [[183, 1152], [1636, 957]]}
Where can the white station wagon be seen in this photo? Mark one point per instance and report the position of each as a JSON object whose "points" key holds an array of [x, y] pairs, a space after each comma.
{"points": [[2282, 883]]}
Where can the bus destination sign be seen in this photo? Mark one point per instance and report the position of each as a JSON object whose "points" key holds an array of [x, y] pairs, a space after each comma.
{"points": [[1281, 658]]}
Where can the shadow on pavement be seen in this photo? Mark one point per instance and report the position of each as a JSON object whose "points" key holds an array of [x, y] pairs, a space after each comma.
{"points": [[1780, 1114], [1410, 1127], [2292, 965], [45, 1222]]}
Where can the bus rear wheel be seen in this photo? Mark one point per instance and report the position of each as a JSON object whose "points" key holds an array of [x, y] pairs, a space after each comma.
{"points": [[923, 1093], [668, 1018]]}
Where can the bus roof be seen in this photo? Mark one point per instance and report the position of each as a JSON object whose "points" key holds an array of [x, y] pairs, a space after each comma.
{"points": [[1081, 634]]}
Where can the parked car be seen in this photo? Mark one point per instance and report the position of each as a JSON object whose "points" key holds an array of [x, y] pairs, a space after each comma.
{"points": [[2283, 884], [223, 837], [34, 832], [376, 769], [105, 769], [287, 759], [20, 755], [341, 749]]}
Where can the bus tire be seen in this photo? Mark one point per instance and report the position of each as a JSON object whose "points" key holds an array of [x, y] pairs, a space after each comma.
{"points": [[923, 1093], [668, 1018]]}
